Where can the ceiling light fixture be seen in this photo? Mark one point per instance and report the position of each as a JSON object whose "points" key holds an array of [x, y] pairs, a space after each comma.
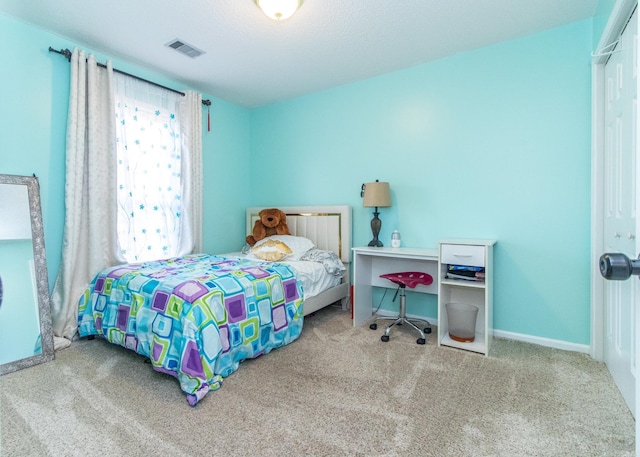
{"points": [[279, 9]]}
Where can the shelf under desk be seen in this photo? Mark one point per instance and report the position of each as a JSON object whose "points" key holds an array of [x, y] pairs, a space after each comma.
{"points": [[371, 262]]}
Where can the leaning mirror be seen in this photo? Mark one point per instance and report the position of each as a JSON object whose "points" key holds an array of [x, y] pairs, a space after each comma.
{"points": [[26, 336]]}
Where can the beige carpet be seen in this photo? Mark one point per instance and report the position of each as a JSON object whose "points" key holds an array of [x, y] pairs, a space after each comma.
{"points": [[337, 391]]}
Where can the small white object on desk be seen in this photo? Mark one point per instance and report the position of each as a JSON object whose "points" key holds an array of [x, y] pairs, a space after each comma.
{"points": [[395, 239]]}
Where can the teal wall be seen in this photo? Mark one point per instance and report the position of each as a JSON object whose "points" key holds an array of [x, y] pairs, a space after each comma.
{"points": [[603, 11], [34, 93], [493, 143]]}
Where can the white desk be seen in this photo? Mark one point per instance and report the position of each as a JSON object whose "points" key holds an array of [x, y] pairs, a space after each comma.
{"points": [[370, 262]]}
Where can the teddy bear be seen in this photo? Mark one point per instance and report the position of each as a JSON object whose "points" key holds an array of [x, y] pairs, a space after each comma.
{"points": [[272, 221]]}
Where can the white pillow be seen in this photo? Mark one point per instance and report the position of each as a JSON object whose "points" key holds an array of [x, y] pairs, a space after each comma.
{"points": [[298, 244]]}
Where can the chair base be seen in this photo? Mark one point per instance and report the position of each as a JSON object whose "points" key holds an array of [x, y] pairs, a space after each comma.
{"points": [[403, 320]]}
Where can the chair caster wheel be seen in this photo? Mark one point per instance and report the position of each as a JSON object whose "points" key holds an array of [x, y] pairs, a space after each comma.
{"points": [[373, 326], [420, 341], [384, 338], [427, 330]]}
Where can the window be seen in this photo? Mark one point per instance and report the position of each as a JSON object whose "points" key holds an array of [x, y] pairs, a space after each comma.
{"points": [[150, 188]]}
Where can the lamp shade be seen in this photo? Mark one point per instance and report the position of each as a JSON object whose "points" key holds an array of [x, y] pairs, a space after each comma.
{"points": [[377, 194], [279, 9]]}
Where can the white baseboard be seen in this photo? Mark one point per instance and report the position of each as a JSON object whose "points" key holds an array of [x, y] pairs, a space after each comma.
{"points": [[547, 342]]}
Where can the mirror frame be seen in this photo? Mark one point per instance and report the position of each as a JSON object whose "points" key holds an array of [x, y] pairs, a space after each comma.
{"points": [[42, 278]]}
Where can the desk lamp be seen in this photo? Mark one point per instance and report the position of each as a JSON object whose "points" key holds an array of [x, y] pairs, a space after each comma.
{"points": [[376, 195]]}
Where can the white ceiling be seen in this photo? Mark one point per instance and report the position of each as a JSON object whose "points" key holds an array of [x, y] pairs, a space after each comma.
{"points": [[251, 60]]}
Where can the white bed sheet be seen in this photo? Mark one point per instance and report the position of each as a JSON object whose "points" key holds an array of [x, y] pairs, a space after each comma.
{"points": [[314, 277]]}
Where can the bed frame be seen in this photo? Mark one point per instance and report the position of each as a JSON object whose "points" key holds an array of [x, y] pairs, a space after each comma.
{"points": [[329, 227]]}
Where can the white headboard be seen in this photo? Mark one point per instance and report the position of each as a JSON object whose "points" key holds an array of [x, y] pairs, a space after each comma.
{"points": [[329, 227]]}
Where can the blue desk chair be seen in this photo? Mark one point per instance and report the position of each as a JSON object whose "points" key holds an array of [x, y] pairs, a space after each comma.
{"points": [[405, 279]]}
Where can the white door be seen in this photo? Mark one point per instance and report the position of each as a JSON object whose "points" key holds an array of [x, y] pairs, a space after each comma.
{"points": [[620, 209]]}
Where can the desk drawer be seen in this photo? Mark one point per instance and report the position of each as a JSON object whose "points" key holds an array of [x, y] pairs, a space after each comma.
{"points": [[462, 254]]}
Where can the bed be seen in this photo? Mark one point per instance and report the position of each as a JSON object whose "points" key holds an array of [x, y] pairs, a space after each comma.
{"points": [[329, 228], [197, 317]]}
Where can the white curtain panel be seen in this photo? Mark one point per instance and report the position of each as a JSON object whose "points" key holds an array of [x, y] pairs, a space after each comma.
{"points": [[191, 114], [90, 237]]}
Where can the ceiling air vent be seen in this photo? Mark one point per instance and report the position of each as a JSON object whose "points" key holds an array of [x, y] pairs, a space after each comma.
{"points": [[185, 48]]}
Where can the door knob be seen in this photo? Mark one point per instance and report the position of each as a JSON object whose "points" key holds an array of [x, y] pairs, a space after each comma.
{"points": [[617, 266]]}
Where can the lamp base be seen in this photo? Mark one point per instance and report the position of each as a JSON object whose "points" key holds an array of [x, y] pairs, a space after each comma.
{"points": [[376, 224]]}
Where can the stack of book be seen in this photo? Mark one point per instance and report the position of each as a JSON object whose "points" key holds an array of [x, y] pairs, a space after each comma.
{"points": [[465, 272]]}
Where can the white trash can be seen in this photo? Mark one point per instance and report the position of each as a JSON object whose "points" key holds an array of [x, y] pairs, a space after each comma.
{"points": [[462, 321]]}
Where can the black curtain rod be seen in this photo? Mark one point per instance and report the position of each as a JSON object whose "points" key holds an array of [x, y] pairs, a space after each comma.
{"points": [[67, 54]]}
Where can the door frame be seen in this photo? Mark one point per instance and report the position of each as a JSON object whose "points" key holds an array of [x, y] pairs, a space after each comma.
{"points": [[617, 20]]}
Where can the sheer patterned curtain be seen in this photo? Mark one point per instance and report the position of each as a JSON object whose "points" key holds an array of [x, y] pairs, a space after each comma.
{"points": [[158, 170], [90, 242]]}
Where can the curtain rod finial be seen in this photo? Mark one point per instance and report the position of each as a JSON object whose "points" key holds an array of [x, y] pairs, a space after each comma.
{"points": [[64, 52]]}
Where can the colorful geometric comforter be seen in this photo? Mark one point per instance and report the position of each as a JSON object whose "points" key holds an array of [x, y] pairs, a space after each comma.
{"points": [[195, 317]]}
